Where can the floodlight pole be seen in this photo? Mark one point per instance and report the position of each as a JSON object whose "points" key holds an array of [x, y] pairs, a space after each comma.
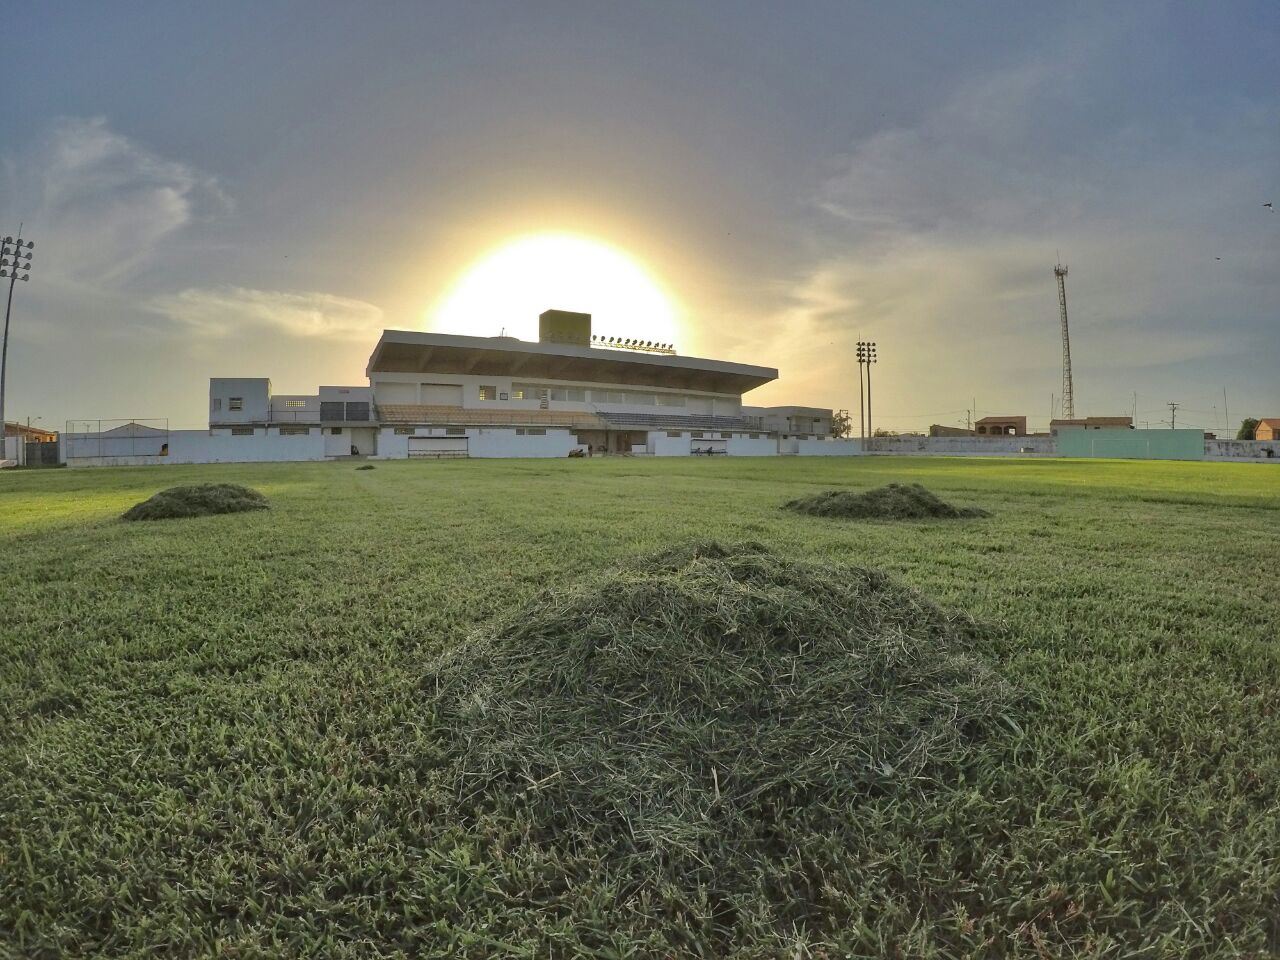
{"points": [[862, 407], [11, 260]]}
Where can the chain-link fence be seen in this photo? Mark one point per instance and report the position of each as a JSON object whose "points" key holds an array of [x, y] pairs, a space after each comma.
{"points": [[116, 439]]}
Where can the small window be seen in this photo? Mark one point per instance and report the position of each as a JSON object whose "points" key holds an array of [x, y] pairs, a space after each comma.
{"points": [[488, 393], [517, 394], [242, 431], [455, 431], [536, 432], [217, 403], [294, 431], [754, 436], [674, 434], [405, 431], [335, 431], [235, 403], [696, 435], [295, 404]]}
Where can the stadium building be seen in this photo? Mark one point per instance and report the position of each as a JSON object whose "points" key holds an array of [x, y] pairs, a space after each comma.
{"points": [[441, 395]]}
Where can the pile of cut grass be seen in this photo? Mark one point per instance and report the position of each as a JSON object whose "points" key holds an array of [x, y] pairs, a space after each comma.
{"points": [[676, 732], [197, 500], [894, 501], [366, 466]]}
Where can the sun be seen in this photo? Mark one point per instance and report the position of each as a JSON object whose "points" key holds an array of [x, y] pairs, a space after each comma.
{"points": [[509, 286]]}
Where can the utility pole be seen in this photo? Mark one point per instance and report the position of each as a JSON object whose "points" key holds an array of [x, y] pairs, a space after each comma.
{"points": [[1226, 419], [1173, 414], [866, 357], [15, 265]]}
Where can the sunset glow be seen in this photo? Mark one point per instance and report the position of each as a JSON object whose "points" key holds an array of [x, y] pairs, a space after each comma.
{"points": [[509, 286]]}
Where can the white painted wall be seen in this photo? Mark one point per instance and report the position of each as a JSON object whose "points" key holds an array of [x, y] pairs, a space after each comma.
{"points": [[201, 446], [746, 447], [828, 448], [253, 392], [660, 445], [486, 443], [14, 449]]}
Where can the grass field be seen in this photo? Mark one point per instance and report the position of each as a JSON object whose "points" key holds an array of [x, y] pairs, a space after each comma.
{"points": [[212, 738]]}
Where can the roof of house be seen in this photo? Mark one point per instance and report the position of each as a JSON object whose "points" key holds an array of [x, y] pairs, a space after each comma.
{"points": [[1002, 419], [404, 351], [1270, 421]]}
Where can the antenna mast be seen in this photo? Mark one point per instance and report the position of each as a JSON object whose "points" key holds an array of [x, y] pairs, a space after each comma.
{"points": [[1068, 400]]}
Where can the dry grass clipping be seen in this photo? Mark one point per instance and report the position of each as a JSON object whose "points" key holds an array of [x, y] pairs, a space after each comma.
{"points": [[896, 501], [197, 500], [686, 722]]}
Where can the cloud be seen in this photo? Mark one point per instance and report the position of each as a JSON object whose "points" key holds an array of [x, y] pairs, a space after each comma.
{"points": [[938, 238], [106, 203], [230, 311]]}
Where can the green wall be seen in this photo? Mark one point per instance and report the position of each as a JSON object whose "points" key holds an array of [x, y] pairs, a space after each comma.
{"points": [[1123, 444]]}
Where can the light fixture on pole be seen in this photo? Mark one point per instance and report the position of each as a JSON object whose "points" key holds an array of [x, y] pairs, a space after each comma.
{"points": [[16, 265], [866, 357]]}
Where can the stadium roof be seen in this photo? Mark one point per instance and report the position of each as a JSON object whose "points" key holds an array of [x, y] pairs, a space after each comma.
{"points": [[403, 351]]}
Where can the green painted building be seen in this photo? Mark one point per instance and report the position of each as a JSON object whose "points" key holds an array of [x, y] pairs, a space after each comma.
{"points": [[1124, 444]]}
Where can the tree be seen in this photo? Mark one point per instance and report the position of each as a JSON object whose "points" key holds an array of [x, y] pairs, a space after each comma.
{"points": [[882, 432], [841, 424], [1248, 428]]}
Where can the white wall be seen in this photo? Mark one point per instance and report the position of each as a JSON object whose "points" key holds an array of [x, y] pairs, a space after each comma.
{"points": [[200, 446], [828, 448], [1268, 450], [14, 450], [964, 446], [254, 392], [746, 447], [660, 445], [484, 443]]}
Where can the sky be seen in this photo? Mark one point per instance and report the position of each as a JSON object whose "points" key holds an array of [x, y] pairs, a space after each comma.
{"points": [[258, 189]]}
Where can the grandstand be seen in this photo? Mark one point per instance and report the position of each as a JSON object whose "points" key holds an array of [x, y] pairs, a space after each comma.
{"points": [[435, 394]]}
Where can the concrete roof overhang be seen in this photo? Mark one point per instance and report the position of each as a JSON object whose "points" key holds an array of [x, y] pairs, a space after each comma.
{"points": [[402, 351]]}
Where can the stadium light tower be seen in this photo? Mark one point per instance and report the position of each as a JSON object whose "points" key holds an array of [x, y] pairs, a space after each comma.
{"points": [[15, 265], [866, 357]]}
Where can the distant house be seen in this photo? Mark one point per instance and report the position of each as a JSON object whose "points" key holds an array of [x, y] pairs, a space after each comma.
{"points": [[29, 434], [939, 430], [1001, 427], [1091, 423], [1268, 429]]}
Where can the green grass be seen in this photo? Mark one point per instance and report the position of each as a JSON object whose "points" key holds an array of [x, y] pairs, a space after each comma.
{"points": [[213, 739]]}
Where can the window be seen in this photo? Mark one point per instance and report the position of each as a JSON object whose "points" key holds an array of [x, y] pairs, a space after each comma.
{"points": [[455, 431], [674, 434], [754, 436], [235, 403], [531, 431], [294, 431], [242, 431], [696, 435], [488, 392], [217, 403], [517, 393], [335, 431], [405, 431], [571, 394], [295, 404]]}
